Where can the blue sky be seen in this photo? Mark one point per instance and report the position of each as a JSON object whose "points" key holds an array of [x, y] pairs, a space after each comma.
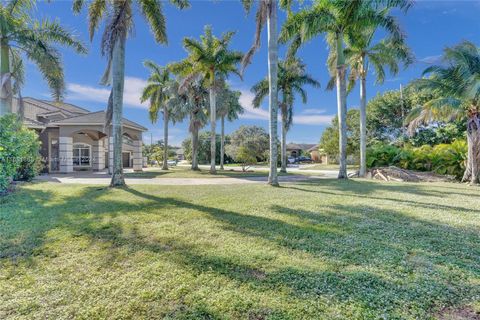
{"points": [[429, 25]]}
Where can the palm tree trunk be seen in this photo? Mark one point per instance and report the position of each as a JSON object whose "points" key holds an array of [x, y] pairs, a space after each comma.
{"points": [[342, 108], [222, 143], [195, 149], [363, 125], [284, 142], [213, 124], [118, 77], [472, 171], [273, 89], [5, 78], [165, 138]]}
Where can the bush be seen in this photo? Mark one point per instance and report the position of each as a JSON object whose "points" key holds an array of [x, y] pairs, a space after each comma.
{"points": [[443, 158], [19, 151]]}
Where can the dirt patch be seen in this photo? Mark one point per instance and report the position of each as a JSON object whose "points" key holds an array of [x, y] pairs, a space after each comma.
{"points": [[464, 313]]}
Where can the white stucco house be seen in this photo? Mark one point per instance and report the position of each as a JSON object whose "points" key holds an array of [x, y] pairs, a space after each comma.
{"points": [[73, 138]]}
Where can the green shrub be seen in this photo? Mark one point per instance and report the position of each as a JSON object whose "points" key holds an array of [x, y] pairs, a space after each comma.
{"points": [[443, 158], [19, 151]]}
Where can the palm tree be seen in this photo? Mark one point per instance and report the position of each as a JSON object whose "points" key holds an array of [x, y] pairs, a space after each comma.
{"points": [[361, 53], [211, 58], [455, 85], [292, 77], [267, 14], [20, 35], [120, 21], [228, 107], [194, 104], [341, 20], [161, 91]]}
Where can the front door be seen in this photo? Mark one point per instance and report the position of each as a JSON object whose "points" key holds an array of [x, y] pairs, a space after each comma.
{"points": [[54, 155], [126, 159]]}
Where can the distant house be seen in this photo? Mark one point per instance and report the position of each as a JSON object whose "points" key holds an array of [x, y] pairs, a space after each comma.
{"points": [[297, 149], [180, 154], [73, 138]]}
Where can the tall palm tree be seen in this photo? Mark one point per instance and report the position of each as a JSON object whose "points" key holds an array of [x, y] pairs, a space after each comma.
{"points": [[194, 105], [211, 58], [455, 85], [228, 107], [267, 14], [360, 54], [340, 20], [119, 22], [23, 36], [162, 92], [292, 76]]}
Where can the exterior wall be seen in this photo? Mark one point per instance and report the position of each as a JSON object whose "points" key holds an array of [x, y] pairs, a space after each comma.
{"points": [[98, 155], [137, 156], [66, 154], [315, 156]]}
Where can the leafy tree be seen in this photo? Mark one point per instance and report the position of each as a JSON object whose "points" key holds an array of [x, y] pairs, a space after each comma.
{"points": [[456, 88], [254, 139], [329, 140], [340, 20], [119, 22], [162, 93], [211, 58], [228, 107], [292, 77], [245, 156], [203, 148], [21, 35]]}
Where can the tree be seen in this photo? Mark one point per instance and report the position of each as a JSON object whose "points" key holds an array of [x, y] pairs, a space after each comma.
{"points": [[267, 14], [249, 140], [340, 20], [456, 88], [21, 35], [329, 140], [228, 107], [211, 58], [202, 148], [119, 22], [360, 54], [291, 79], [162, 93]]}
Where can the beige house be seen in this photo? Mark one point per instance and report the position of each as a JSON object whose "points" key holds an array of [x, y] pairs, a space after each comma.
{"points": [[74, 138]]}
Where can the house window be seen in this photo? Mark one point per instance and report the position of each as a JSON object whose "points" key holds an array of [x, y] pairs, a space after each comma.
{"points": [[81, 155]]}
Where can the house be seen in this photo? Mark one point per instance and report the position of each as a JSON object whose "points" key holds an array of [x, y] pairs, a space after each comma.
{"points": [[73, 138], [295, 150], [180, 154]]}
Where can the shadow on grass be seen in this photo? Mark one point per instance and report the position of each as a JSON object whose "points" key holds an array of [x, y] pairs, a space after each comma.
{"points": [[365, 247]]}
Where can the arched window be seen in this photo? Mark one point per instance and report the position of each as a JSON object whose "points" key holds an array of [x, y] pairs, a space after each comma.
{"points": [[81, 155]]}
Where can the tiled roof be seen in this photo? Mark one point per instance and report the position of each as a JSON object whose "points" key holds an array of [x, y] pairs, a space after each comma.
{"points": [[94, 118]]}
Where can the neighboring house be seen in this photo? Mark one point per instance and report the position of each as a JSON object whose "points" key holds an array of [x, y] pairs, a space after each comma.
{"points": [[73, 138], [297, 149], [315, 154], [180, 154]]}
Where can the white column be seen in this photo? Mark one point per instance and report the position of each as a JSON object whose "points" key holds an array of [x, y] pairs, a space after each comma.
{"points": [[110, 155], [98, 155], [137, 156], [66, 154]]}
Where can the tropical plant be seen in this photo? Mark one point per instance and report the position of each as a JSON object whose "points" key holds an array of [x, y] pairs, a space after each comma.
{"points": [[292, 77], [162, 93], [267, 14], [248, 140], [228, 107], [340, 20], [212, 60], [361, 54], [456, 89], [119, 22], [22, 36]]}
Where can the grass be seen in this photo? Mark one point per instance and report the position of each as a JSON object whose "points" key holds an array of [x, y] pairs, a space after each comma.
{"points": [[185, 172], [324, 250], [320, 166]]}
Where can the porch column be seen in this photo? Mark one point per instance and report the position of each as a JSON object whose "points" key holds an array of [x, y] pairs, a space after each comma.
{"points": [[98, 155], [137, 155], [66, 154], [110, 155]]}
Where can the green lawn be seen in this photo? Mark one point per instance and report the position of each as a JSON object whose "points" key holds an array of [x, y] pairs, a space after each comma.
{"points": [[185, 172], [320, 166], [322, 250]]}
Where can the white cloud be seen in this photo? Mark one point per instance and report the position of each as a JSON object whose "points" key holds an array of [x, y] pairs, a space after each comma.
{"points": [[308, 116], [131, 95], [431, 59]]}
